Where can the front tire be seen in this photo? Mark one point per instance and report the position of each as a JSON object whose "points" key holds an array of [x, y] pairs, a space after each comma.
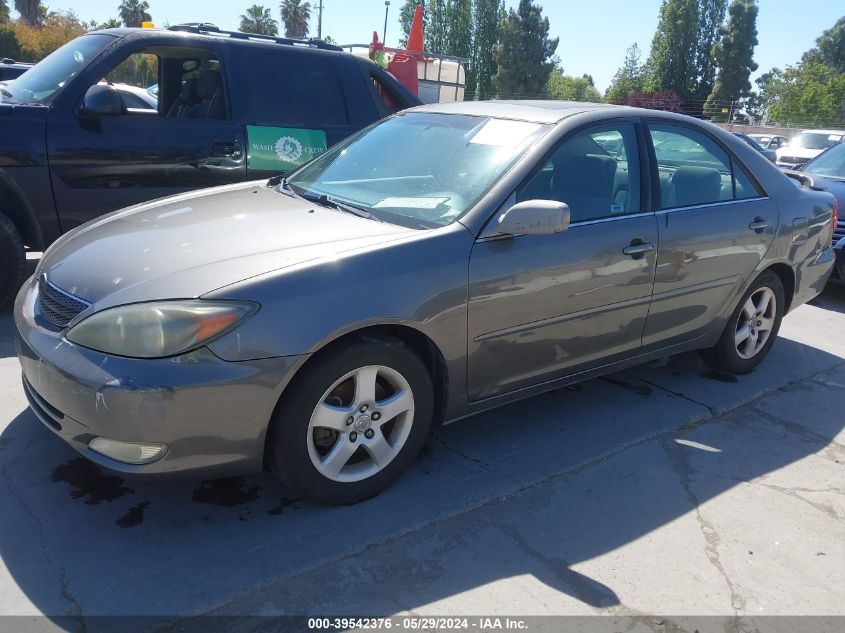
{"points": [[12, 260], [752, 329], [352, 421]]}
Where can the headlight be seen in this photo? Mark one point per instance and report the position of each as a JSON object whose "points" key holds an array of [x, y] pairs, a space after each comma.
{"points": [[158, 329]]}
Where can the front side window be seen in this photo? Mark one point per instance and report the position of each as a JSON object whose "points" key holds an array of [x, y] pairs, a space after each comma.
{"points": [[595, 172], [43, 81], [694, 170], [420, 170], [171, 82]]}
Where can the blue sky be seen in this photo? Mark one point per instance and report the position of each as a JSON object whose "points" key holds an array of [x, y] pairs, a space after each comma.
{"points": [[592, 40]]}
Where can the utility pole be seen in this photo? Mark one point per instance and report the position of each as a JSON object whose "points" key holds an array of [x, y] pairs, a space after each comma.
{"points": [[384, 32], [320, 21]]}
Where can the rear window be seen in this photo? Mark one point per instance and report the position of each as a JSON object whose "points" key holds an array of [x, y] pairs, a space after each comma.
{"points": [[296, 90]]}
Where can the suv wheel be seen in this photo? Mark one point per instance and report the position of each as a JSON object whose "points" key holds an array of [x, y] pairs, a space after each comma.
{"points": [[352, 422], [12, 260], [752, 328]]}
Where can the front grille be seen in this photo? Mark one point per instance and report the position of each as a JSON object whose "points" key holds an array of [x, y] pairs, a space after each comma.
{"points": [[57, 306], [839, 229]]}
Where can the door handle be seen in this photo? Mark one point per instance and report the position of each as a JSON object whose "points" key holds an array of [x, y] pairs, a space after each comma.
{"points": [[224, 148], [637, 249], [759, 224]]}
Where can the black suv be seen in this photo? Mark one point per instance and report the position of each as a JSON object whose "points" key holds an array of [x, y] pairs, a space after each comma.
{"points": [[122, 116]]}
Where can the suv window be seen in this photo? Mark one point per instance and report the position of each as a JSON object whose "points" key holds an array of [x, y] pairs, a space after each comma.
{"points": [[694, 170], [595, 172], [175, 83], [298, 91]]}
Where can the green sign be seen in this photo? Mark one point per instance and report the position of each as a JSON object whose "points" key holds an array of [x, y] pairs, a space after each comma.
{"points": [[282, 148]]}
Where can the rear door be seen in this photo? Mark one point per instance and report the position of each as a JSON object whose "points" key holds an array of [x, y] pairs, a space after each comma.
{"points": [[546, 306], [715, 224], [102, 163], [297, 106]]}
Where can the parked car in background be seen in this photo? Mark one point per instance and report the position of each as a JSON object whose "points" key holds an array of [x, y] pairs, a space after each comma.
{"points": [[831, 166], [806, 146], [452, 258], [767, 141], [10, 69], [770, 154], [231, 107], [135, 98]]}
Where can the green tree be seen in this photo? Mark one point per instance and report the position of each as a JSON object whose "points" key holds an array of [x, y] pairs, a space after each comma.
{"points": [[258, 19], [830, 48], [525, 52], [569, 88], [406, 16], [295, 15], [628, 79], [680, 59], [30, 10], [734, 54], [4, 12], [9, 46], [460, 33], [487, 17], [437, 26], [111, 23], [134, 12], [809, 94]]}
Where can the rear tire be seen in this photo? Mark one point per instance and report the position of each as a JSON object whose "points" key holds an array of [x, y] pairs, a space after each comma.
{"points": [[12, 260], [352, 422], [752, 329]]}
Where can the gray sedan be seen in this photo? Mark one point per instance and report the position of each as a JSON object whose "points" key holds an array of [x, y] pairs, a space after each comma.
{"points": [[450, 259]]}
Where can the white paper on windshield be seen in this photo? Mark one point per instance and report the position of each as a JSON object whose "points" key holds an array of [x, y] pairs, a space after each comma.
{"points": [[410, 203], [502, 133]]}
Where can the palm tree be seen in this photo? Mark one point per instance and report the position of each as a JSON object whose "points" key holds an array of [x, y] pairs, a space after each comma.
{"points": [[30, 11], [134, 12], [259, 20], [295, 15]]}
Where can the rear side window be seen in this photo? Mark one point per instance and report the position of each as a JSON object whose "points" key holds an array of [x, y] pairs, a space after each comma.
{"points": [[694, 170], [296, 90]]}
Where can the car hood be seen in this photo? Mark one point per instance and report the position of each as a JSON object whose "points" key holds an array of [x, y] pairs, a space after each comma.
{"points": [[189, 245], [798, 152]]}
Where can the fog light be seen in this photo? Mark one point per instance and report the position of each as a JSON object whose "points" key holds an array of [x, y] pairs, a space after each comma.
{"points": [[128, 452]]}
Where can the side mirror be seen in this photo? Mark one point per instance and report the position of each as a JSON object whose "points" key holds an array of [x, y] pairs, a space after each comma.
{"points": [[534, 217], [102, 100]]}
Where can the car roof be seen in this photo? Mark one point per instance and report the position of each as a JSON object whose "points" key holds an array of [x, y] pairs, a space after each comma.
{"points": [[828, 132], [545, 111]]}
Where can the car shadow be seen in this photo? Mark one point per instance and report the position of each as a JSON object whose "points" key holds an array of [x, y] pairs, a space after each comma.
{"points": [[7, 326]]}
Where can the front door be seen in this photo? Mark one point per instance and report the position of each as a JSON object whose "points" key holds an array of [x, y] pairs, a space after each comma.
{"points": [[715, 228], [174, 135], [542, 307]]}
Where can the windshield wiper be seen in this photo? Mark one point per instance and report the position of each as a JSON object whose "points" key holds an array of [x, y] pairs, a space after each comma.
{"points": [[328, 201]]}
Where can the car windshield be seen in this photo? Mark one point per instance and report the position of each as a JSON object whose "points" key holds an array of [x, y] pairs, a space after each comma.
{"points": [[830, 164], [42, 81], [420, 170], [814, 140], [761, 140]]}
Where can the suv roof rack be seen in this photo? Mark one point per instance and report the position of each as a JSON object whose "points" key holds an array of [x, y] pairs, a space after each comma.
{"points": [[206, 28]]}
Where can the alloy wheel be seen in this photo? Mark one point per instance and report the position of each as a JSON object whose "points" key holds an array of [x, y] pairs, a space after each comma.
{"points": [[756, 322], [361, 423]]}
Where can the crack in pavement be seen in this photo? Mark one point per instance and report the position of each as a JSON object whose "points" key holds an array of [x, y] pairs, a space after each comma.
{"points": [[712, 539], [75, 609]]}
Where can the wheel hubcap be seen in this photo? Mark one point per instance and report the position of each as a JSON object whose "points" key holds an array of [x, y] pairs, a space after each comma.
{"points": [[360, 424], [755, 324]]}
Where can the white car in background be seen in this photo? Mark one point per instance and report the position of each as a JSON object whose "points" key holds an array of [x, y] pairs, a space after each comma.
{"points": [[806, 146]]}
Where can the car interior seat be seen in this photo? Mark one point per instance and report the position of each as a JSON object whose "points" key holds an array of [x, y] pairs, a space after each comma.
{"points": [[693, 185], [585, 183], [210, 93], [186, 100]]}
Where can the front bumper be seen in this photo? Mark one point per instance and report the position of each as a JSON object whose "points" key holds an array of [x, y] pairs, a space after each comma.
{"points": [[212, 414]]}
